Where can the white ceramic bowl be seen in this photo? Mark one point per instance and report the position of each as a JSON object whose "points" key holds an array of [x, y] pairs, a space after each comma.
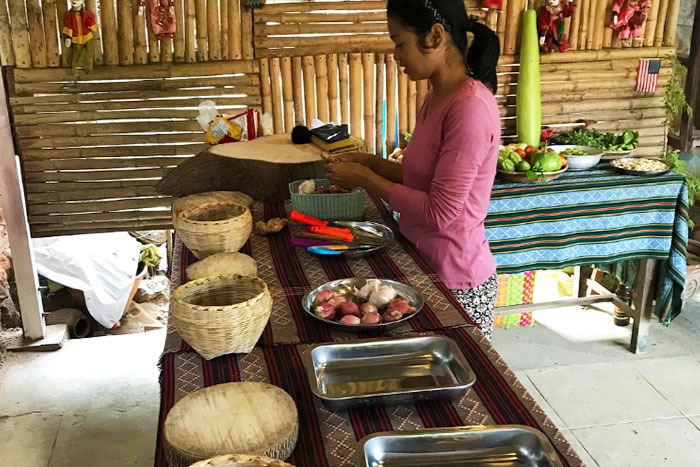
{"points": [[588, 161]]}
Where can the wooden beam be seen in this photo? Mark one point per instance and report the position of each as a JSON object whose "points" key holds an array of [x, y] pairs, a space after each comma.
{"points": [[642, 300]]}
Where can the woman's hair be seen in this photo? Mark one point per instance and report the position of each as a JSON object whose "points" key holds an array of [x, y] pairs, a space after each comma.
{"points": [[481, 58]]}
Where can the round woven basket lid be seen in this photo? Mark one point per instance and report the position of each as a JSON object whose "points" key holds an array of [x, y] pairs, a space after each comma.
{"points": [[248, 417], [241, 460]]}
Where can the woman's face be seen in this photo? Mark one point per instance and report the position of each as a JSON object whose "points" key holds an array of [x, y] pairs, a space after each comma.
{"points": [[417, 63]]}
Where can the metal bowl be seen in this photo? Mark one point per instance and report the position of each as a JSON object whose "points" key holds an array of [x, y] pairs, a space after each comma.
{"points": [[647, 173], [380, 231], [345, 286], [585, 162]]}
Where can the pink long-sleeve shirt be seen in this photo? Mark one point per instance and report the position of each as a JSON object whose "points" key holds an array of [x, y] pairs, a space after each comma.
{"points": [[448, 172]]}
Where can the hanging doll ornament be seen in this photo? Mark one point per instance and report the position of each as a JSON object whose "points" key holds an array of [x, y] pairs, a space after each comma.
{"points": [[162, 13], [629, 17], [79, 27], [550, 23]]}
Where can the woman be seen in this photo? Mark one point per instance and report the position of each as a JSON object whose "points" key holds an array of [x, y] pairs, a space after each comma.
{"points": [[443, 187]]}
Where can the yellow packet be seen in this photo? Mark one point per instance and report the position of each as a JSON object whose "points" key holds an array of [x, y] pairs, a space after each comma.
{"points": [[220, 128]]}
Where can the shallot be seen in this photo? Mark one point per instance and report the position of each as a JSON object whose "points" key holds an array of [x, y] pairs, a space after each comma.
{"points": [[371, 318], [382, 296], [391, 316], [337, 301], [350, 308], [401, 305], [323, 296], [325, 311], [350, 319], [367, 308]]}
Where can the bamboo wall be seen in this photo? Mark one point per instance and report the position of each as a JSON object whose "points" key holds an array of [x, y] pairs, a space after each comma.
{"points": [[93, 149]]}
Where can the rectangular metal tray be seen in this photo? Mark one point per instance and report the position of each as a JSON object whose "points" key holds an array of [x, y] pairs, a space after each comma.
{"points": [[389, 371], [505, 445]]}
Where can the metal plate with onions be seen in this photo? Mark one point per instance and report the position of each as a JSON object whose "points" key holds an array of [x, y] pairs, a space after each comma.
{"points": [[643, 173], [345, 287]]}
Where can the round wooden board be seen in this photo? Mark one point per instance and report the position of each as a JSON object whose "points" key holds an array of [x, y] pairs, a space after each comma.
{"points": [[276, 148], [239, 418]]}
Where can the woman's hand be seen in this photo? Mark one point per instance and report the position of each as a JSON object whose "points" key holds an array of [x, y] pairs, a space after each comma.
{"points": [[348, 174], [354, 157]]}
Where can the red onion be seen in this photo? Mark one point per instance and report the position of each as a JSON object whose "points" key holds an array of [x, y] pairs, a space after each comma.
{"points": [[391, 316], [350, 308], [325, 311], [323, 296], [400, 305], [367, 308], [371, 318], [350, 319], [338, 300]]}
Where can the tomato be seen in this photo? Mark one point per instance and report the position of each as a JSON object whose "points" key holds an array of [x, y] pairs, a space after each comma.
{"points": [[529, 150], [550, 150], [563, 159], [520, 152]]}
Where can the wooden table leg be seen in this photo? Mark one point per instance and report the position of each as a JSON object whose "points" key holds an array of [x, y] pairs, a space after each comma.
{"points": [[643, 297]]}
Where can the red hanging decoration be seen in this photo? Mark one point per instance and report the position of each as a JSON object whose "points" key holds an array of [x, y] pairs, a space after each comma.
{"points": [[629, 17], [550, 22], [162, 13]]}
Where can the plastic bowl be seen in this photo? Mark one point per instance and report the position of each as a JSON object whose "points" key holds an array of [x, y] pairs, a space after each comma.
{"points": [[586, 162]]}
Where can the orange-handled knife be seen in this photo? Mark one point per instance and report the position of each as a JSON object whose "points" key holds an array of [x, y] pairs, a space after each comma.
{"points": [[343, 234], [306, 219]]}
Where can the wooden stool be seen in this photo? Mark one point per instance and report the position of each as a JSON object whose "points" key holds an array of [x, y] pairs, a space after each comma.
{"points": [[247, 418], [238, 460]]}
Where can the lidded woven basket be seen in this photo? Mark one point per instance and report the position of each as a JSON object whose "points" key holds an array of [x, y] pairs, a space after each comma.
{"points": [[222, 314], [214, 228]]}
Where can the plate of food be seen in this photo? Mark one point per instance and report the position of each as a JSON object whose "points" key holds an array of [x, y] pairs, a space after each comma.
{"points": [[644, 166], [363, 305], [522, 164], [578, 157]]}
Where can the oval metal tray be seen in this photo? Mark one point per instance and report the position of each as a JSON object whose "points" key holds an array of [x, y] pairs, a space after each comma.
{"points": [[345, 286], [648, 173], [372, 228]]}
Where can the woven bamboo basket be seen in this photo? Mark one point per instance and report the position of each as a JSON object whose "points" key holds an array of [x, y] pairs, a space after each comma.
{"points": [[240, 460], [214, 228], [193, 201], [221, 314]]}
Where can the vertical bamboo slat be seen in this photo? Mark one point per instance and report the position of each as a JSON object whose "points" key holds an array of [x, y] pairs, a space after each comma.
{"points": [[356, 94], [661, 23], [225, 41], [109, 32], [213, 30], [368, 82], [91, 6], [20, 34], [379, 111], [390, 103], [179, 39], [153, 44], [421, 91], [592, 26], [585, 9], [333, 87], [265, 86], [275, 82], [36, 34], [674, 8], [343, 88], [166, 50], [140, 44], [321, 68], [190, 20], [502, 20], [574, 31], [600, 24], [7, 54], [309, 92], [234, 23], [125, 28], [650, 24], [247, 34], [411, 105], [287, 94], [513, 14], [297, 83], [567, 27], [48, 8], [62, 9], [202, 33], [492, 19], [403, 107]]}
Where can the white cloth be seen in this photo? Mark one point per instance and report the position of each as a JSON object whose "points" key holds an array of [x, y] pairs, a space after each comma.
{"points": [[102, 265]]}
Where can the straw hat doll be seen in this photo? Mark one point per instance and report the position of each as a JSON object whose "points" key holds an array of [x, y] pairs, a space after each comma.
{"points": [[550, 23], [79, 29], [629, 17]]}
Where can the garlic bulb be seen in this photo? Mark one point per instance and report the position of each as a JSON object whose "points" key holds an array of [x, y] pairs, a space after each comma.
{"points": [[372, 285], [381, 297], [307, 187]]}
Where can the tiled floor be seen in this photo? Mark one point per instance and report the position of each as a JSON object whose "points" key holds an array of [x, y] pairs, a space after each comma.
{"points": [[95, 402]]}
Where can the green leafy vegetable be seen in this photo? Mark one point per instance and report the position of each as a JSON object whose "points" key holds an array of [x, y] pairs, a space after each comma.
{"points": [[605, 141]]}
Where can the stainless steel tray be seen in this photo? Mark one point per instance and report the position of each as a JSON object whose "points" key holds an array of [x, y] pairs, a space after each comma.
{"points": [[647, 173], [382, 233], [505, 445], [345, 285], [389, 371]]}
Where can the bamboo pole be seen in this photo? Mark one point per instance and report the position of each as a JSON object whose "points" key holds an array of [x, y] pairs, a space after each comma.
{"points": [[368, 82], [7, 54], [412, 107], [166, 50], [109, 32], [234, 23], [403, 107], [501, 30], [592, 25], [309, 91], [247, 34], [189, 24], [601, 13], [265, 89], [608, 31], [297, 83], [20, 34], [202, 32], [650, 24], [575, 27], [421, 91], [321, 67], [275, 82], [670, 37], [514, 14], [356, 95], [213, 30], [225, 41], [140, 43], [333, 87], [379, 111], [179, 40], [343, 88], [125, 28], [390, 103], [492, 19], [287, 94], [62, 9], [585, 9], [91, 5], [153, 44], [661, 22], [48, 9], [36, 33]]}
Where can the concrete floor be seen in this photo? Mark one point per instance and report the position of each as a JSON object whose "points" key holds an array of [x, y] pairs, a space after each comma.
{"points": [[95, 402]]}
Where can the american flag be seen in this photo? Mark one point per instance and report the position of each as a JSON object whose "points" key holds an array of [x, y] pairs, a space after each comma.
{"points": [[648, 74]]}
